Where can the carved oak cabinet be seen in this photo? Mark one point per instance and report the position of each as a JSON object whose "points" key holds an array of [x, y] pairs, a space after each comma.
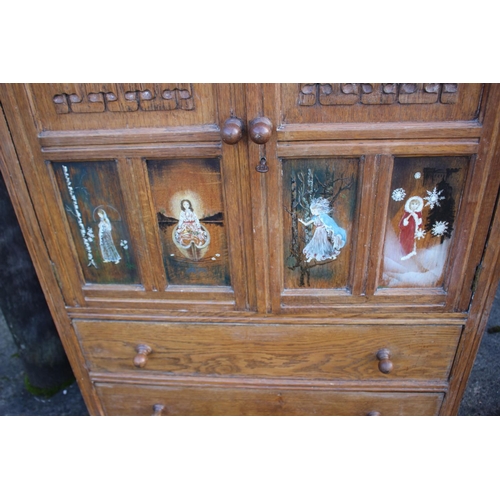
{"points": [[261, 249]]}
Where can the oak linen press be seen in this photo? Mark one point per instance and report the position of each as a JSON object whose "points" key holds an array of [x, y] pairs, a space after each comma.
{"points": [[261, 249]]}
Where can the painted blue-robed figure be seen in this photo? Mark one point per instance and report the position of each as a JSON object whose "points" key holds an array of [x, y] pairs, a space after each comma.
{"points": [[328, 237]]}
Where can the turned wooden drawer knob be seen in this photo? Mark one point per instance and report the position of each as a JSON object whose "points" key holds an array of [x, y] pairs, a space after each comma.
{"points": [[143, 351], [158, 410], [232, 131], [260, 130], [384, 363]]}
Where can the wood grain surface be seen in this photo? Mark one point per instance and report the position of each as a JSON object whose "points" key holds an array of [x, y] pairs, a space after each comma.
{"points": [[181, 401], [256, 342], [348, 353]]}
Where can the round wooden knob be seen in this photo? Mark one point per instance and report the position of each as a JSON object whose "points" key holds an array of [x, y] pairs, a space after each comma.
{"points": [[232, 131], [384, 364], [141, 358], [260, 130], [158, 410]]}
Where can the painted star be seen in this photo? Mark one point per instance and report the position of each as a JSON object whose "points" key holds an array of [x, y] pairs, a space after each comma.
{"points": [[433, 198], [440, 228]]}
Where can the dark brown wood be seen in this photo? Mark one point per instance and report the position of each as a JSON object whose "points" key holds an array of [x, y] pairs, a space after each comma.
{"points": [[232, 131], [375, 102], [258, 197], [345, 131], [260, 129], [409, 147]]}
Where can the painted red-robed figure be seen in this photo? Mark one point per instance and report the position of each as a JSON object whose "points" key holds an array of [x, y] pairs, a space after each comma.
{"points": [[409, 224]]}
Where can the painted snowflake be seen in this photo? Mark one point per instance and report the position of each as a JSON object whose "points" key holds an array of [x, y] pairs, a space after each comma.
{"points": [[124, 244], [434, 198], [398, 194], [440, 228], [419, 233]]}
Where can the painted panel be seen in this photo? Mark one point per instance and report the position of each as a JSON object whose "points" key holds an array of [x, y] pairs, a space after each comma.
{"points": [[319, 197], [187, 197], [425, 194], [95, 210]]}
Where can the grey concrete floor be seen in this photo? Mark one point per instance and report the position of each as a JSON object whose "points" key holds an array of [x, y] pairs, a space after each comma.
{"points": [[482, 396], [15, 400]]}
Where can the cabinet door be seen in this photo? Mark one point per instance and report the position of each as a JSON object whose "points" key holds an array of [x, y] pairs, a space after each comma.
{"points": [[141, 204], [378, 195]]}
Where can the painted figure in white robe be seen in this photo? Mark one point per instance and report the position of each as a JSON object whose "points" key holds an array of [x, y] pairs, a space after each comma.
{"points": [[189, 231], [329, 238], [108, 249]]}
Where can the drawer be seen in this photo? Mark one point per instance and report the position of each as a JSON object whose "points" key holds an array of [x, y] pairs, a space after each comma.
{"points": [[122, 399], [313, 351]]}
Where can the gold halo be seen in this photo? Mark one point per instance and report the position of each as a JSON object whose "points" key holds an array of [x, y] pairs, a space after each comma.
{"points": [[194, 198]]}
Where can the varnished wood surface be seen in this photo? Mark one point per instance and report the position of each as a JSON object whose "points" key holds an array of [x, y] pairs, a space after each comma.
{"points": [[347, 315], [348, 131], [100, 116], [143, 377], [257, 327], [422, 147], [348, 352], [162, 150], [78, 138], [466, 107], [181, 401]]}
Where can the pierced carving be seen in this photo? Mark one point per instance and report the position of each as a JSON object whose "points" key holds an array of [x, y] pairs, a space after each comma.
{"points": [[122, 97], [335, 94]]}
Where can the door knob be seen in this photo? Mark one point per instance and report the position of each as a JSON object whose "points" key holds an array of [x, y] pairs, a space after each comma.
{"points": [[143, 351], [384, 362], [260, 130], [232, 131], [158, 410]]}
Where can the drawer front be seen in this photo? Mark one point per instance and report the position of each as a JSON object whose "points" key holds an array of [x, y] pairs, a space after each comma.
{"points": [[142, 400], [348, 352]]}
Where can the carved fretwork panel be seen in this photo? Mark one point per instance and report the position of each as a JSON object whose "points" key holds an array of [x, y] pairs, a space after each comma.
{"points": [[332, 94], [106, 106], [379, 102], [122, 97]]}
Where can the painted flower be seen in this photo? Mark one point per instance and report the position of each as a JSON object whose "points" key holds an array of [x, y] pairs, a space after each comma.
{"points": [[398, 194]]}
